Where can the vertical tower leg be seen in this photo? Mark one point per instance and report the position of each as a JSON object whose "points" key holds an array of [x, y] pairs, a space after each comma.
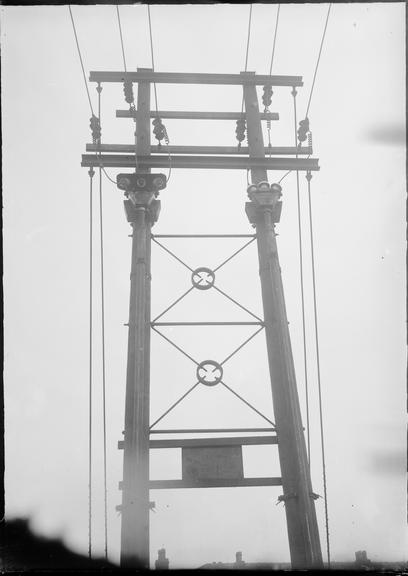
{"points": [[304, 543], [135, 497], [142, 212]]}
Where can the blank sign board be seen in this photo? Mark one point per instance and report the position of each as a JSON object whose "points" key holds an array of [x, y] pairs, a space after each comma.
{"points": [[203, 463]]}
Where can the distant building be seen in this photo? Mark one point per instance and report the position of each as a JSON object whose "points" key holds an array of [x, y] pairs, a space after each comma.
{"points": [[362, 562], [240, 564], [361, 559], [162, 563]]}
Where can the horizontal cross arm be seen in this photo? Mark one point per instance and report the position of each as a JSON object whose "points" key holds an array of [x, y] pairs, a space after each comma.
{"points": [[200, 162], [208, 430], [209, 442], [183, 115], [195, 78], [215, 483], [222, 150]]}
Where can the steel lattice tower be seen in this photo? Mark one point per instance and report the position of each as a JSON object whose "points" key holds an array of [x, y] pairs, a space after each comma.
{"points": [[263, 211]]}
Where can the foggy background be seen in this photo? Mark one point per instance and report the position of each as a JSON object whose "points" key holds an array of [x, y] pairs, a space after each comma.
{"points": [[357, 118]]}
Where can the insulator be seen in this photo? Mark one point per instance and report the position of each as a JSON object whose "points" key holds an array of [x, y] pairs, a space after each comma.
{"points": [[303, 130], [159, 130], [310, 140], [268, 124], [267, 95], [276, 188], [128, 90], [263, 186], [95, 128], [240, 129]]}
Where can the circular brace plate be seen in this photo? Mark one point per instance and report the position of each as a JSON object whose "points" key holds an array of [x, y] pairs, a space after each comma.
{"points": [[203, 278], [209, 372]]}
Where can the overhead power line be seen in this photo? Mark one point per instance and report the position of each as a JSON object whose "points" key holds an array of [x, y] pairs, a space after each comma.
{"points": [[105, 490], [164, 129], [80, 59], [322, 441], [314, 76], [302, 292], [152, 54], [87, 90], [247, 49], [248, 37], [91, 173], [274, 39], [318, 60], [121, 39]]}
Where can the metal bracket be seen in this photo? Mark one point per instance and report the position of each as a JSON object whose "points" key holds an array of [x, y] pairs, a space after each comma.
{"points": [[284, 497], [152, 209], [254, 212]]}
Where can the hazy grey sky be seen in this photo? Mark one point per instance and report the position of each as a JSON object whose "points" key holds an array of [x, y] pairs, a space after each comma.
{"points": [[358, 122]]}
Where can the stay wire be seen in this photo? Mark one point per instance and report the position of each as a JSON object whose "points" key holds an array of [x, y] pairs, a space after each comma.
{"points": [[294, 92], [103, 347], [308, 177], [80, 59], [91, 173], [318, 60]]}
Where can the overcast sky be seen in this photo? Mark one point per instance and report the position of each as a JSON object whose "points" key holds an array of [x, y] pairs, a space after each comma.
{"points": [[357, 118]]}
